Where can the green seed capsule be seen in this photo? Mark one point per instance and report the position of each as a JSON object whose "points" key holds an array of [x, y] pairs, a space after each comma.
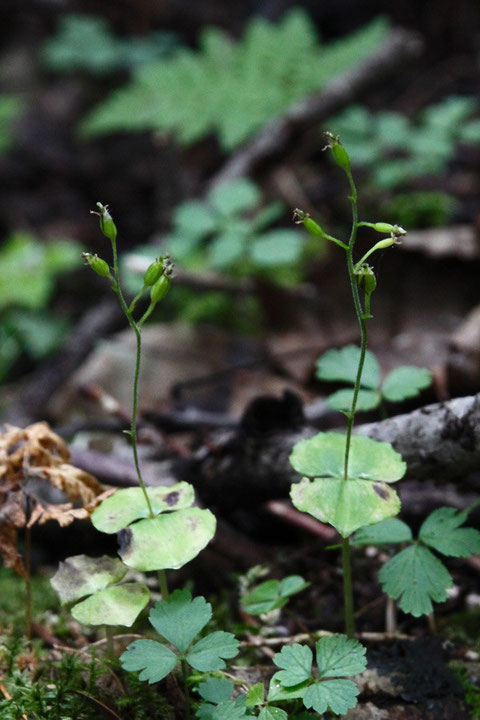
{"points": [[107, 226], [153, 272], [383, 227], [366, 279], [97, 264], [160, 288], [313, 227], [340, 155]]}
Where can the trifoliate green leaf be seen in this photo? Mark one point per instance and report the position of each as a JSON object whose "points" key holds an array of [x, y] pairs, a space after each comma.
{"points": [[179, 619], [216, 690], [347, 505], [272, 594], [296, 661], [207, 653], [391, 530], [116, 605], [441, 531], [323, 455], [338, 695], [405, 382], [272, 713], [341, 365], [339, 656], [167, 541], [127, 505], [81, 575], [342, 400], [415, 577], [256, 695], [155, 660]]}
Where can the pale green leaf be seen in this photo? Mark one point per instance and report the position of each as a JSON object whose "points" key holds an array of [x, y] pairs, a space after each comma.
{"points": [[116, 605], [179, 619], [339, 656], [391, 530], [155, 660], [441, 531], [81, 575], [235, 197], [337, 695], [229, 247], [272, 594], [345, 505], [296, 661], [216, 690], [194, 219], [277, 691], [342, 365], [255, 695], [323, 455], [277, 247], [229, 710], [127, 505], [208, 653], [342, 400], [272, 713], [415, 577], [405, 382], [167, 541]]}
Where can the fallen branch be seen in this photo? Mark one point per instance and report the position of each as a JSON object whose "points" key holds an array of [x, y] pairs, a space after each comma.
{"points": [[275, 137]]}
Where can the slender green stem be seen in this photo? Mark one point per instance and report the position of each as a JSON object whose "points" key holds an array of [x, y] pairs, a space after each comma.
{"points": [[136, 299], [133, 426], [347, 588], [361, 317], [162, 582], [185, 686], [336, 241], [146, 314]]}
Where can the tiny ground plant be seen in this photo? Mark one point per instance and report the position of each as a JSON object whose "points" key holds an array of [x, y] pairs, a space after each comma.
{"points": [[180, 620], [272, 594], [346, 479], [404, 382], [158, 527], [415, 576]]}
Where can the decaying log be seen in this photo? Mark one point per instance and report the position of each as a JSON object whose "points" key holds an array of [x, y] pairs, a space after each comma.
{"points": [[250, 464]]}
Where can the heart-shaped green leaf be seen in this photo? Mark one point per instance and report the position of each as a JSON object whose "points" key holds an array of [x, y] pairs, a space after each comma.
{"points": [[323, 455], [167, 541], [127, 505], [117, 605], [81, 575], [347, 505]]}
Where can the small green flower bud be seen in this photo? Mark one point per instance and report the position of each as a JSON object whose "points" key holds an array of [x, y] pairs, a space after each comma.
{"points": [[107, 226], [387, 242], [153, 272], [97, 264], [339, 153], [300, 217], [386, 228], [160, 288], [366, 278]]}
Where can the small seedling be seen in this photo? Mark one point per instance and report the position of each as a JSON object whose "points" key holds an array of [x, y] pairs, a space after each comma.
{"points": [[272, 594], [415, 576], [338, 658], [179, 620], [341, 365], [346, 479]]}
